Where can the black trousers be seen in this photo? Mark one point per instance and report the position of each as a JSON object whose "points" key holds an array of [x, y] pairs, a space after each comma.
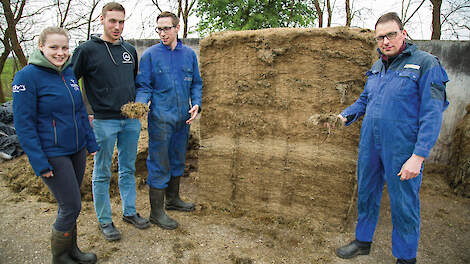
{"points": [[65, 186]]}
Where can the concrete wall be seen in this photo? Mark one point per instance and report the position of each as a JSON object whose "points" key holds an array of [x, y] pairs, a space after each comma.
{"points": [[142, 44], [454, 56]]}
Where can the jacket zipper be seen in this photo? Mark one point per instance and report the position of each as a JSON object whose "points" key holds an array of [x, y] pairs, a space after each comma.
{"points": [[73, 108], [55, 131]]}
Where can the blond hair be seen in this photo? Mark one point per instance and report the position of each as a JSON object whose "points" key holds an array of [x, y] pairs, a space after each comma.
{"points": [[52, 30]]}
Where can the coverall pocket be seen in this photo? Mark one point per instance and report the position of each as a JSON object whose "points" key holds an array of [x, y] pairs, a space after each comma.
{"points": [[372, 85], [188, 75], [438, 91], [408, 83]]}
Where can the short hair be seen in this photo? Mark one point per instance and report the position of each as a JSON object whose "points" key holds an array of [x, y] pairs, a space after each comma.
{"points": [[391, 16], [112, 6], [52, 30], [174, 18]]}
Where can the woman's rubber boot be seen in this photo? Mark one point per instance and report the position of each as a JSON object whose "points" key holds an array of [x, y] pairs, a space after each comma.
{"points": [[173, 200], [61, 245], [157, 214], [77, 254]]}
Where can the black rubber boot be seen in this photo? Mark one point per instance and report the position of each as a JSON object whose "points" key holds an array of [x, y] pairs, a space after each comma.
{"points": [[406, 261], [77, 254], [157, 214], [353, 249], [61, 245], [173, 200]]}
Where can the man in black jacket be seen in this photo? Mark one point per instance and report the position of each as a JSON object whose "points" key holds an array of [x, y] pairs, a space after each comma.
{"points": [[108, 66]]}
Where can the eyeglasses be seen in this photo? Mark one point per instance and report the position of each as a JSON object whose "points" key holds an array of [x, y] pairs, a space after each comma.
{"points": [[389, 36], [163, 29]]}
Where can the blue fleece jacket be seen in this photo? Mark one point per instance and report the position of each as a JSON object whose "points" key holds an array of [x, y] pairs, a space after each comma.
{"points": [[49, 113]]}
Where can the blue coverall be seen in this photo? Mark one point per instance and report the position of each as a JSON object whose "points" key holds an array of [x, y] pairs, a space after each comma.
{"points": [[403, 108], [169, 79]]}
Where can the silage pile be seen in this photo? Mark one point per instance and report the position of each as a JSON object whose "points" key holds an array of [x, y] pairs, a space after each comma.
{"points": [[459, 174], [265, 150], [20, 176]]}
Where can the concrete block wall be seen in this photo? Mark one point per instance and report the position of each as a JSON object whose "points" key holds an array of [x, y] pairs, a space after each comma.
{"points": [[455, 57], [142, 44]]}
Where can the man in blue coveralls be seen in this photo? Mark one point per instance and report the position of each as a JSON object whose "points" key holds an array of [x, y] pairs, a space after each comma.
{"points": [[403, 101], [169, 78]]}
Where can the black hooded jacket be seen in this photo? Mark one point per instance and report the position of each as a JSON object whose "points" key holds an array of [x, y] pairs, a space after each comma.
{"points": [[108, 71]]}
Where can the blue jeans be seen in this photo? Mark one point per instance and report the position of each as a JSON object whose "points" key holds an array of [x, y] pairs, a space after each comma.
{"points": [[107, 131]]}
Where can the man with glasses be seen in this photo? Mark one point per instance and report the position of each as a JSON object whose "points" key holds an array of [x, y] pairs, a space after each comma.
{"points": [[169, 78], [403, 101]]}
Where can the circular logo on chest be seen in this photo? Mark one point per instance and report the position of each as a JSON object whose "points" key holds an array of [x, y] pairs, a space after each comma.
{"points": [[126, 56]]}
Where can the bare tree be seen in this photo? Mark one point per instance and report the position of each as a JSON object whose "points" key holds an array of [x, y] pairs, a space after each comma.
{"points": [[353, 13], [13, 13], [3, 58], [82, 21], [62, 14], [155, 3], [320, 7], [436, 19], [76, 16], [451, 16], [15, 27], [90, 18], [349, 14], [319, 10], [455, 18], [183, 10], [329, 11], [405, 6]]}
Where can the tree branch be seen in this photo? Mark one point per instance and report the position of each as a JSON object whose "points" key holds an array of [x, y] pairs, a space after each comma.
{"points": [[155, 3], [408, 19]]}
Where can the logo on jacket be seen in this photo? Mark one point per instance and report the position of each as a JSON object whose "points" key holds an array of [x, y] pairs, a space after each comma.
{"points": [[126, 57], [74, 85], [412, 66], [18, 88]]}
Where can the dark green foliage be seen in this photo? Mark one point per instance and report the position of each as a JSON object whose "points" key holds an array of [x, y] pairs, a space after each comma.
{"points": [[218, 15]]}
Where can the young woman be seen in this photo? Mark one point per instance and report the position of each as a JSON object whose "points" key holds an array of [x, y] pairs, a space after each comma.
{"points": [[53, 128]]}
